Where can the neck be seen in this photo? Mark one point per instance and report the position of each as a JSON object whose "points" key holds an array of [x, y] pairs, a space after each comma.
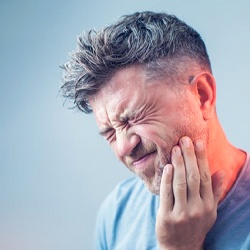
{"points": [[224, 156]]}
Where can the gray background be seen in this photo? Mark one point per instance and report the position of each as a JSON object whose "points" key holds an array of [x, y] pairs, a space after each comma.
{"points": [[54, 169]]}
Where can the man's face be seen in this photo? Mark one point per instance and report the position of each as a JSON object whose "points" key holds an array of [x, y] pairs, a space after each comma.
{"points": [[143, 119]]}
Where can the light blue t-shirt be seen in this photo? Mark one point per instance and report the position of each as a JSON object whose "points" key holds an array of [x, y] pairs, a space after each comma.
{"points": [[126, 220]]}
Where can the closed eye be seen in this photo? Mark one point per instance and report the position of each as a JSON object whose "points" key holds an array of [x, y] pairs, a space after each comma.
{"points": [[107, 133]]}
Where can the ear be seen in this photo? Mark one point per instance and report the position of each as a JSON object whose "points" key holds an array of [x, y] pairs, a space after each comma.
{"points": [[206, 91]]}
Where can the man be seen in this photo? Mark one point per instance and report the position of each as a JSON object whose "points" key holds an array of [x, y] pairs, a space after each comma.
{"points": [[149, 83]]}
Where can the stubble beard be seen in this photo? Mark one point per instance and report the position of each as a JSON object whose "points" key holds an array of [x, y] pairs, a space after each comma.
{"points": [[163, 157], [198, 131], [189, 125], [153, 186]]}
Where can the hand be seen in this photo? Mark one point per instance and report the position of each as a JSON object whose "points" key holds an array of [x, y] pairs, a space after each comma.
{"points": [[189, 198]]}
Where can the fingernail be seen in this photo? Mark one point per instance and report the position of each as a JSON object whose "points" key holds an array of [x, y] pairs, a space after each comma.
{"points": [[199, 144], [177, 150], [186, 142]]}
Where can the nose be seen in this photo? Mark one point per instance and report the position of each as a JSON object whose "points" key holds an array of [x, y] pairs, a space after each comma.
{"points": [[125, 142]]}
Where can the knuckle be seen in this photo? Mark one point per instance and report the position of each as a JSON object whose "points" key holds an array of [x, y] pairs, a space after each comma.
{"points": [[209, 208], [181, 219], [181, 185], [193, 177], [205, 176], [163, 216], [195, 214]]}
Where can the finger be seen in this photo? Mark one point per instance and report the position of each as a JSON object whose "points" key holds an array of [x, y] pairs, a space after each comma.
{"points": [[179, 179], [166, 189], [192, 171], [206, 192]]}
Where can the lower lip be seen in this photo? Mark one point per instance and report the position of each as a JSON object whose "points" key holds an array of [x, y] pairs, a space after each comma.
{"points": [[142, 163]]}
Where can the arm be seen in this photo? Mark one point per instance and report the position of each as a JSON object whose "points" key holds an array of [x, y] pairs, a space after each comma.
{"points": [[188, 198]]}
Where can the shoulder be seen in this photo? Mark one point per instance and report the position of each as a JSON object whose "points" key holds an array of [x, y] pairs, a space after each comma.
{"points": [[126, 200], [129, 207], [123, 192]]}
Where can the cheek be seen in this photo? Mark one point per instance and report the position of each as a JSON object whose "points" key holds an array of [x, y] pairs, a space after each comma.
{"points": [[158, 134], [163, 137]]}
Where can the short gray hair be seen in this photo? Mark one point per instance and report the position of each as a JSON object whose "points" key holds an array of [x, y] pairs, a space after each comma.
{"points": [[144, 38]]}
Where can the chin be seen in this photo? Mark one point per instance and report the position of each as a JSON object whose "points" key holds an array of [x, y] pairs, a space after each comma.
{"points": [[153, 185], [154, 189]]}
